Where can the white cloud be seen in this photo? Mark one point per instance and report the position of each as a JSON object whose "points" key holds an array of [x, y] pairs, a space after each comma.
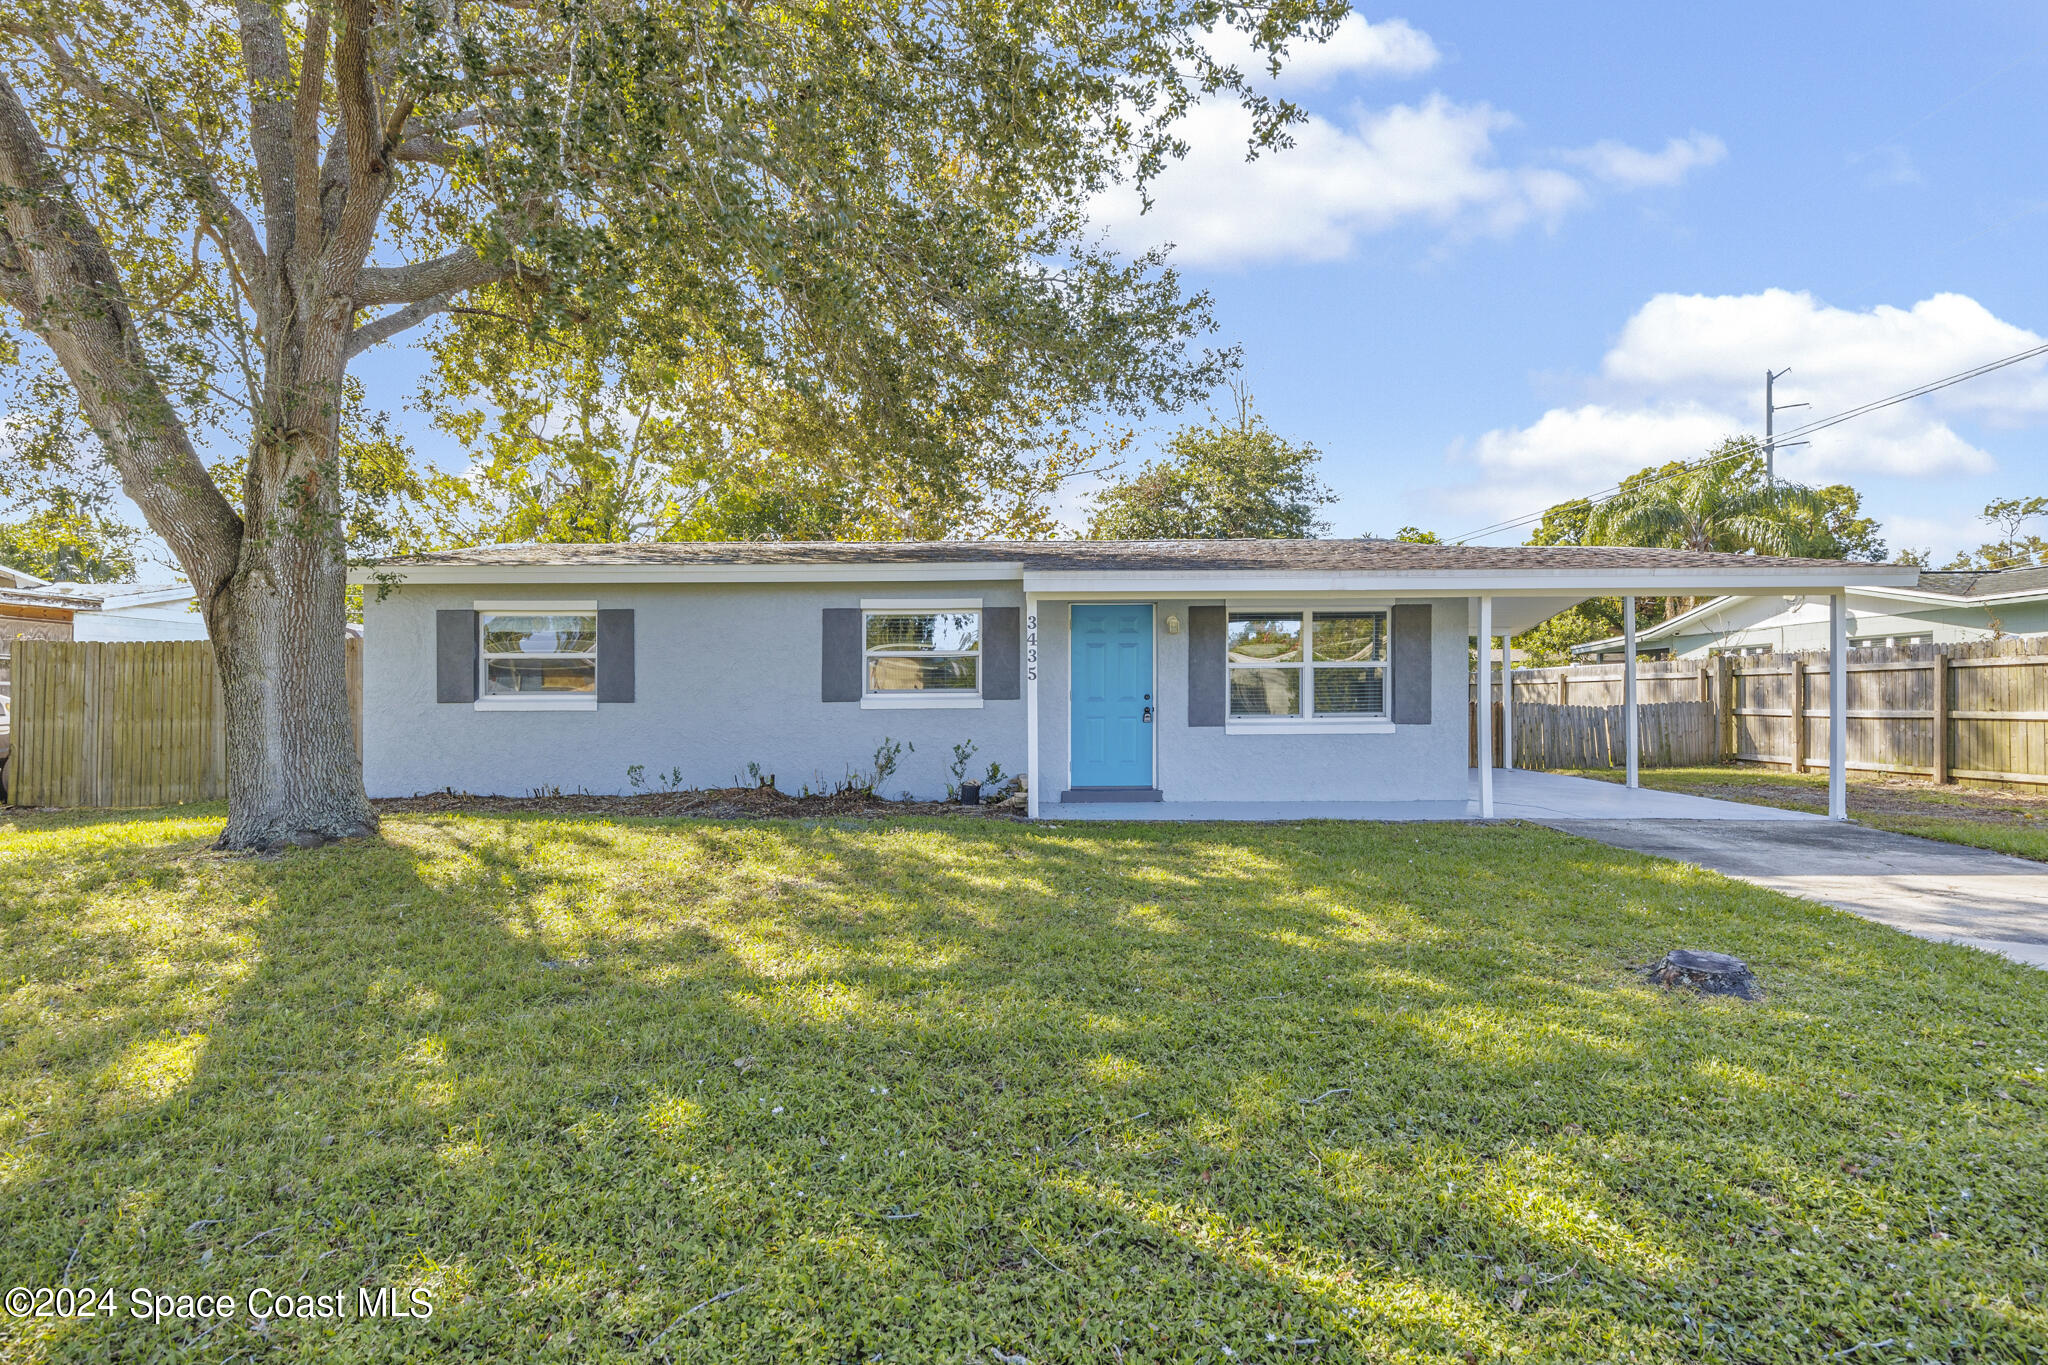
{"points": [[1716, 347], [1687, 370], [1356, 47], [1887, 166], [1626, 167], [1433, 162]]}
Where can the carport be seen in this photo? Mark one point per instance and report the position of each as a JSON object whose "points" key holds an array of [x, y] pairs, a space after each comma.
{"points": [[1502, 615]]}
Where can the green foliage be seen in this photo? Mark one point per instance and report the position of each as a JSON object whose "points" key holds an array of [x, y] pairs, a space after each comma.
{"points": [[580, 441], [57, 545], [1228, 480], [934, 1089], [1724, 503], [59, 500], [707, 270], [2015, 547], [1721, 503]]}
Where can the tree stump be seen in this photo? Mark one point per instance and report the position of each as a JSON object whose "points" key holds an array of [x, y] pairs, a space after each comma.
{"points": [[1707, 973]]}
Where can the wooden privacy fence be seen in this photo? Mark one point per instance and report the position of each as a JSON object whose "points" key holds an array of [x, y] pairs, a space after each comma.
{"points": [[118, 724], [1572, 717], [1670, 734], [1972, 711]]}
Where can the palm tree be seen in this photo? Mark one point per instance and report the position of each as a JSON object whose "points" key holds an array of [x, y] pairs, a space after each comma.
{"points": [[1720, 503]]}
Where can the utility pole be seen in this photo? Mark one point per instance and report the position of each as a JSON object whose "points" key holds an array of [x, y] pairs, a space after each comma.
{"points": [[1771, 410]]}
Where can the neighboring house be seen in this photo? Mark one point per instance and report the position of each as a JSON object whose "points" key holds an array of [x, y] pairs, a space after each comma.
{"points": [[1942, 606], [1124, 671], [28, 614], [34, 609], [131, 611]]}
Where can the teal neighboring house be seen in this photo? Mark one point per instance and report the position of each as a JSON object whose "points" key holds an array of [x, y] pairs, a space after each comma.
{"points": [[1946, 605]]}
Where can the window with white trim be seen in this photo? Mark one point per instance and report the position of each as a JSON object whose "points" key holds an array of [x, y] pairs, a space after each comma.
{"points": [[921, 653], [538, 654], [1307, 665]]}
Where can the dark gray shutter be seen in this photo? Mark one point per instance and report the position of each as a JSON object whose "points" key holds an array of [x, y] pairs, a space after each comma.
{"points": [[1002, 653], [1207, 687], [1412, 647], [455, 656], [841, 677], [615, 654]]}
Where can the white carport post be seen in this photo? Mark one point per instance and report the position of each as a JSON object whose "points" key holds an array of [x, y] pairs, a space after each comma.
{"points": [[1633, 741], [1838, 706], [1485, 713], [1507, 701]]}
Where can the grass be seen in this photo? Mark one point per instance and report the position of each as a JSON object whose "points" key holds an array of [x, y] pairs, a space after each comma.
{"points": [[949, 1091], [2004, 819]]}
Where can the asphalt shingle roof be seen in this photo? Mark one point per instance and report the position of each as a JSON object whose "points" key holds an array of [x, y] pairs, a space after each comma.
{"points": [[1393, 556], [1984, 583]]}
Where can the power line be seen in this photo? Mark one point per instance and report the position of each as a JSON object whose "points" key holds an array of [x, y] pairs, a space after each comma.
{"points": [[1818, 424]]}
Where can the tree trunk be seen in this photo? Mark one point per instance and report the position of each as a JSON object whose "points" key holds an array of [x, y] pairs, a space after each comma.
{"points": [[280, 641], [280, 622]]}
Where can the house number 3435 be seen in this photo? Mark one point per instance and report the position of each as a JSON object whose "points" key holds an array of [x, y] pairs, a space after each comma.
{"points": [[1031, 647]]}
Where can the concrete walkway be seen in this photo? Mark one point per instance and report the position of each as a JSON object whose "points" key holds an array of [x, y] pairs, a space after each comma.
{"points": [[1517, 795], [1924, 887]]}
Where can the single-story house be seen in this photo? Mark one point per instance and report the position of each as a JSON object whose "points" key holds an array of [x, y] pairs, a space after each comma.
{"points": [[1125, 672], [1940, 607]]}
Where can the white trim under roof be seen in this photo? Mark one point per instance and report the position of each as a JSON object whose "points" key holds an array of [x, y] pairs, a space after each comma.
{"points": [[1108, 583], [438, 574], [1083, 584]]}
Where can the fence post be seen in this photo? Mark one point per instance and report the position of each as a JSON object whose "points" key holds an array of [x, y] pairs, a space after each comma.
{"points": [[1724, 708], [1941, 752], [1799, 704]]}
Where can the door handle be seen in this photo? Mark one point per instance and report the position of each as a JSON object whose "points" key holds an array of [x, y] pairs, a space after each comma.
{"points": [[1148, 715]]}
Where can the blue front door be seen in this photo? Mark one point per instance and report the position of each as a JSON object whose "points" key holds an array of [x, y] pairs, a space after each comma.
{"points": [[1113, 708]]}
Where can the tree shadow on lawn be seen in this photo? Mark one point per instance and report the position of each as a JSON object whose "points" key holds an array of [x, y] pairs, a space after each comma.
{"points": [[931, 1090]]}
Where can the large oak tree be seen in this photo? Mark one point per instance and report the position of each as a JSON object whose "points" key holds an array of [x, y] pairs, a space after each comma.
{"points": [[874, 210]]}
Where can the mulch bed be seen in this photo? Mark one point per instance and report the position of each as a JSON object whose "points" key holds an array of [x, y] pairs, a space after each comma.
{"points": [[716, 803]]}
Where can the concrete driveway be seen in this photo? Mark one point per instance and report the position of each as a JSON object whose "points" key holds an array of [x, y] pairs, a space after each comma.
{"points": [[1936, 890]]}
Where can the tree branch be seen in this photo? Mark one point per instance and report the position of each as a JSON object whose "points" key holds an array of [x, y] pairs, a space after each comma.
{"points": [[185, 161], [55, 268], [266, 63], [305, 251], [391, 324], [458, 270], [361, 132]]}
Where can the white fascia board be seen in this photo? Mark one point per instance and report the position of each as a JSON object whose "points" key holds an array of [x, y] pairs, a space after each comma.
{"points": [[1236, 583], [429, 575], [1946, 599]]}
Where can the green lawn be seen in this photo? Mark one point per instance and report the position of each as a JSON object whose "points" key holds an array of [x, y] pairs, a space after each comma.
{"points": [[968, 1090], [2006, 819]]}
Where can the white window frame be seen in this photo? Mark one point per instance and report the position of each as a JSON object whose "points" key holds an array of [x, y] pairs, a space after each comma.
{"points": [[534, 702], [1308, 722], [919, 700]]}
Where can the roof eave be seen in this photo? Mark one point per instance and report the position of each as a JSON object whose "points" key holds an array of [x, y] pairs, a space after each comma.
{"points": [[1758, 580]]}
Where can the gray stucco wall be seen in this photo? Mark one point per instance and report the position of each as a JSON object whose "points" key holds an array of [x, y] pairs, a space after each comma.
{"points": [[1413, 763], [726, 675]]}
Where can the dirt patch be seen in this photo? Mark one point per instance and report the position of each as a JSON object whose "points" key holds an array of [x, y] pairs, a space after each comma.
{"points": [[716, 803], [1891, 796]]}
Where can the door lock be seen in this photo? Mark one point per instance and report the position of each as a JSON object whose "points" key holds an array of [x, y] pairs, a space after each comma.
{"points": [[1148, 715]]}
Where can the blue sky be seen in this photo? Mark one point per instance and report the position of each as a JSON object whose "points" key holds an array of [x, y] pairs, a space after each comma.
{"points": [[1523, 250]]}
